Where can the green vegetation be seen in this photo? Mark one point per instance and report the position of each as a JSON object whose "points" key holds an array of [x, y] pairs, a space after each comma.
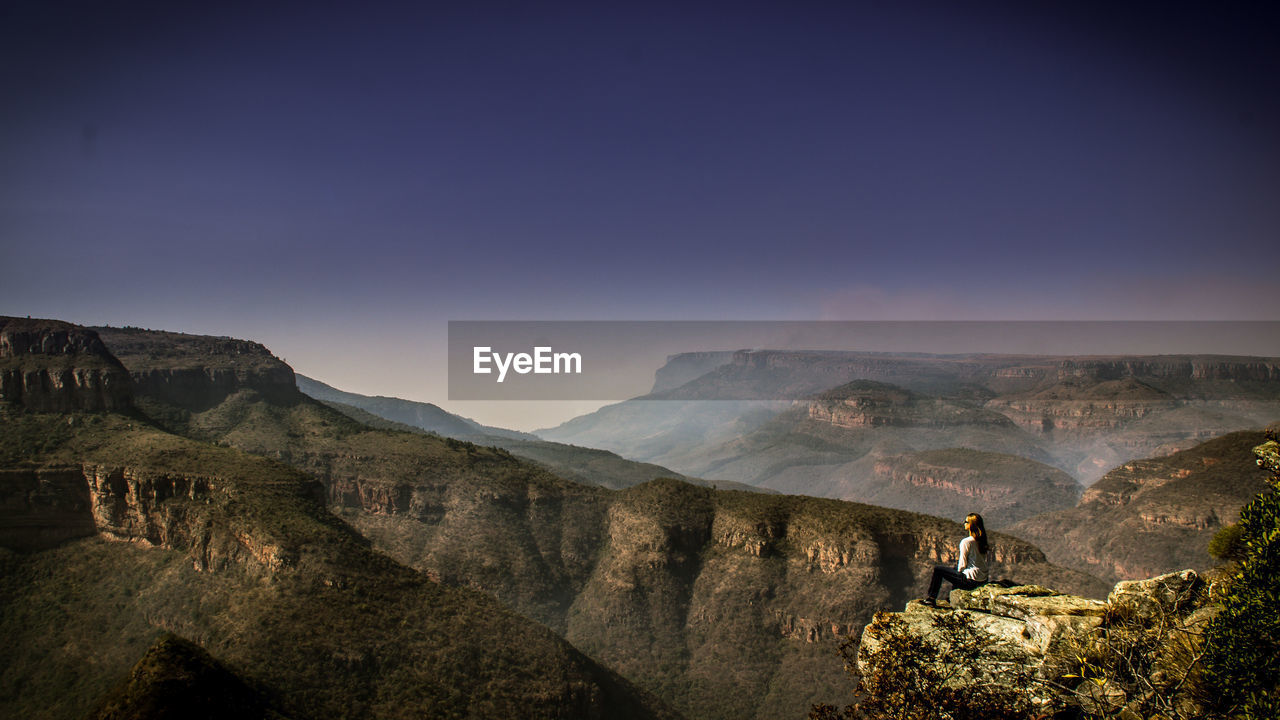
{"points": [[908, 677], [299, 604], [178, 680], [1243, 658]]}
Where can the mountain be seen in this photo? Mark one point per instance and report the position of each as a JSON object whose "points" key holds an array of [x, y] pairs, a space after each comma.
{"points": [[581, 464], [722, 603], [425, 416], [756, 418], [115, 531], [864, 441], [1152, 516], [177, 679]]}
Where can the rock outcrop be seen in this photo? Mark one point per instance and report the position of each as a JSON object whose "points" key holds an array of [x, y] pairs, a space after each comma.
{"points": [[42, 508], [53, 366], [1060, 650], [866, 404], [196, 372], [1075, 405]]}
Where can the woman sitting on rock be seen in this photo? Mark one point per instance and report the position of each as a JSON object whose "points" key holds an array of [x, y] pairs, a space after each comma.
{"points": [[971, 570]]}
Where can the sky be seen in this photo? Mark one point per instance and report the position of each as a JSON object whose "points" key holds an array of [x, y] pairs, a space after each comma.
{"points": [[340, 180]]}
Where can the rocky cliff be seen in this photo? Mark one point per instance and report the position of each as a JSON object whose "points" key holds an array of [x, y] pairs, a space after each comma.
{"points": [[1051, 652], [52, 366], [684, 367], [1006, 488], [724, 603], [868, 404], [1078, 405], [196, 372], [1151, 516]]}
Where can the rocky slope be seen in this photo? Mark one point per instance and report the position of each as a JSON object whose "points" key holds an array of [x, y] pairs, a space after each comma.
{"points": [[1152, 516], [723, 603], [1044, 648]]}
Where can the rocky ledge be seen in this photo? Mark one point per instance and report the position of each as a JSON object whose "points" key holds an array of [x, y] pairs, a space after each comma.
{"points": [[1055, 646]]}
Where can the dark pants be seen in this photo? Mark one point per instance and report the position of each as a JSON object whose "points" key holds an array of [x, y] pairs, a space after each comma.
{"points": [[958, 581]]}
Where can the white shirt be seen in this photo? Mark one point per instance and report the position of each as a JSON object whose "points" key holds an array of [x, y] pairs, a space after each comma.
{"points": [[972, 564]]}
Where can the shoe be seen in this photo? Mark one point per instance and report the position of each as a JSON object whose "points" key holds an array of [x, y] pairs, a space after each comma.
{"points": [[929, 602]]}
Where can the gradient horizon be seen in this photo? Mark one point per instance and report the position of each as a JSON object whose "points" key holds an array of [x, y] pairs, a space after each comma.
{"points": [[339, 183]]}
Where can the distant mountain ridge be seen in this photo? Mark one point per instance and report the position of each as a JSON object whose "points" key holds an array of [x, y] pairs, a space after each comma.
{"points": [[426, 416], [586, 465], [822, 422]]}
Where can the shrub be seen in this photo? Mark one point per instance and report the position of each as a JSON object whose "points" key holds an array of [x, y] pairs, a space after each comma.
{"points": [[946, 676], [1242, 661]]}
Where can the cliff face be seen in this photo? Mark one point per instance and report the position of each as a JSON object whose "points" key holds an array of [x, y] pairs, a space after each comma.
{"points": [[680, 369], [180, 511], [1206, 367], [196, 372], [1151, 516], [726, 604], [52, 366], [1084, 405], [1006, 488], [240, 554], [43, 508], [865, 404]]}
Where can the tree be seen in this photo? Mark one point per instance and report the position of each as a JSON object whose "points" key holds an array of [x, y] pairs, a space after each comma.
{"points": [[1242, 660]]}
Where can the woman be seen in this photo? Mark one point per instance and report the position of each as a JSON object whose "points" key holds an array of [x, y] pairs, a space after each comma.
{"points": [[971, 570]]}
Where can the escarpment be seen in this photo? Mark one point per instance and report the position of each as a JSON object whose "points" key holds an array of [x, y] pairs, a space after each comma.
{"points": [[666, 579], [866, 404], [187, 512], [1085, 405], [52, 366], [1006, 487], [196, 372]]}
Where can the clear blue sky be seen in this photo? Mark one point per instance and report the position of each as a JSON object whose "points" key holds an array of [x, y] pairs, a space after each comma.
{"points": [[338, 181]]}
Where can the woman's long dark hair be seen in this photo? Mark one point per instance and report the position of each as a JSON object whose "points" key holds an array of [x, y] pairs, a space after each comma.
{"points": [[975, 523]]}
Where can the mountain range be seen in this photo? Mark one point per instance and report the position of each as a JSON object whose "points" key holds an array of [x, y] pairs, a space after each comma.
{"points": [[874, 427], [171, 501], [291, 543]]}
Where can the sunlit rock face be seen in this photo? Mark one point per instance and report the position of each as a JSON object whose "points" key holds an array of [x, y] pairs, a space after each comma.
{"points": [[1034, 636]]}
